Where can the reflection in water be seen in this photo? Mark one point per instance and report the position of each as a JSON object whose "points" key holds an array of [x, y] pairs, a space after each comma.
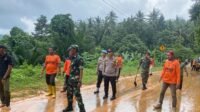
{"points": [[113, 106], [98, 101], [50, 107]]}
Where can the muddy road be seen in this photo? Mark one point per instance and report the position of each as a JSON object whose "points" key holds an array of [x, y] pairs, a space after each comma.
{"points": [[129, 98]]}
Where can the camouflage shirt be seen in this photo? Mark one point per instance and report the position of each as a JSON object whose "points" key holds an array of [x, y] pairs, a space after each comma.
{"points": [[75, 68], [145, 64]]}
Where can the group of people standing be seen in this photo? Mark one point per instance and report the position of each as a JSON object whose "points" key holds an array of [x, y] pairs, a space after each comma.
{"points": [[108, 70], [73, 70]]}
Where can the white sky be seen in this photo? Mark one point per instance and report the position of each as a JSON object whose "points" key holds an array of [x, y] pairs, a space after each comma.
{"points": [[23, 13]]}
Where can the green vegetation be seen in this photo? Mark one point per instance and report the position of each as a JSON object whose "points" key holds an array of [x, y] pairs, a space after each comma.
{"points": [[25, 80]]}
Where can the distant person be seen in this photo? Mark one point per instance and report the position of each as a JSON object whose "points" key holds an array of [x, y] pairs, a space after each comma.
{"points": [[100, 67], [51, 66], [170, 77], [5, 73], [66, 71], [193, 65], [145, 65], [119, 65], [183, 68], [110, 74], [152, 64], [75, 79]]}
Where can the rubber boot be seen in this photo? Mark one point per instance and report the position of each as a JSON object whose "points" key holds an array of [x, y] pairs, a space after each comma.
{"points": [[54, 91], [49, 91]]}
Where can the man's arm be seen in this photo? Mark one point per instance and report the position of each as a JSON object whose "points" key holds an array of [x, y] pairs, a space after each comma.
{"points": [[8, 72]]}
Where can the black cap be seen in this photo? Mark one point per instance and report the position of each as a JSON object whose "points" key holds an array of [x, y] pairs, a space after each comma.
{"points": [[2, 46]]}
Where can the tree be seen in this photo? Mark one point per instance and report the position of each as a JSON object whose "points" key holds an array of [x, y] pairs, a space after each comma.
{"points": [[41, 27], [62, 32], [195, 11]]}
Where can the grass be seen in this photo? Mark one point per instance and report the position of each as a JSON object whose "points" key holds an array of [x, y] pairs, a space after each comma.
{"points": [[25, 80]]}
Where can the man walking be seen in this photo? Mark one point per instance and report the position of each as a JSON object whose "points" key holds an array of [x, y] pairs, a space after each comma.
{"points": [[145, 65], [100, 66], [171, 78], [75, 79], [119, 60], [51, 66], [110, 74], [5, 72]]}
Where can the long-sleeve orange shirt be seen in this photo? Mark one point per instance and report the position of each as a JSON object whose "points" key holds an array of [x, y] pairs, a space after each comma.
{"points": [[67, 66], [171, 72]]}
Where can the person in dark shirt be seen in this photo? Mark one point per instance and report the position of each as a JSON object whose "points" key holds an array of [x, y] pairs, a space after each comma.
{"points": [[5, 71]]}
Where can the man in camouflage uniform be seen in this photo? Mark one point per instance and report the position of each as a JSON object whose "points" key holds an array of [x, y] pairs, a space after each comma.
{"points": [[145, 65], [75, 80]]}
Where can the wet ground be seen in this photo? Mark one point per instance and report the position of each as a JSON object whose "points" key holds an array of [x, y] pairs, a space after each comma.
{"points": [[129, 98]]}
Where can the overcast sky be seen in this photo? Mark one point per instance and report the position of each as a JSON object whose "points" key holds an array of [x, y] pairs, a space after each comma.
{"points": [[23, 13]]}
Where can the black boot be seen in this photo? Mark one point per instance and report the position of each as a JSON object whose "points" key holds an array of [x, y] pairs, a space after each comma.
{"points": [[69, 108], [112, 98], [105, 97], [144, 87]]}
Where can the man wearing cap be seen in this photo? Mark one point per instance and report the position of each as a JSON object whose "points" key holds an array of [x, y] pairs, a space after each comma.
{"points": [[145, 65], [5, 72], [100, 66], [170, 77], [110, 74], [75, 79]]}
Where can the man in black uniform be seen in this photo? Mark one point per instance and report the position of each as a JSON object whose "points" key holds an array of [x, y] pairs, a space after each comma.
{"points": [[5, 71]]}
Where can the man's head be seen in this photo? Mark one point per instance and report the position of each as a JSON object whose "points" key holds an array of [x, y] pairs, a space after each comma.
{"points": [[51, 50], [103, 52], [73, 50], [170, 55], [2, 49], [147, 54], [110, 52]]}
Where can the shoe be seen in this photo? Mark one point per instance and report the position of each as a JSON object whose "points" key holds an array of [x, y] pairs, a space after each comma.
{"points": [[96, 92], [144, 87], [158, 106], [49, 90], [105, 97], [69, 108], [113, 98], [53, 91]]}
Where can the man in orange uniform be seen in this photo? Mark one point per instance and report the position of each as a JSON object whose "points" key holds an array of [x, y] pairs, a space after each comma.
{"points": [[171, 78], [51, 65], [119, 65], [66, 71]]}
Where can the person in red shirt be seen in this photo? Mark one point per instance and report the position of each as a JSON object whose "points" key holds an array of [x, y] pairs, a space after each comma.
{"points": [[66, 71], [51, 66], [119, 63], [170, 77]]}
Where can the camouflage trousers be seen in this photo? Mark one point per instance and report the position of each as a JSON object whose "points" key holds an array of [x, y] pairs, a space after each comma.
{"points": [[73, 89], [145, 77]]}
